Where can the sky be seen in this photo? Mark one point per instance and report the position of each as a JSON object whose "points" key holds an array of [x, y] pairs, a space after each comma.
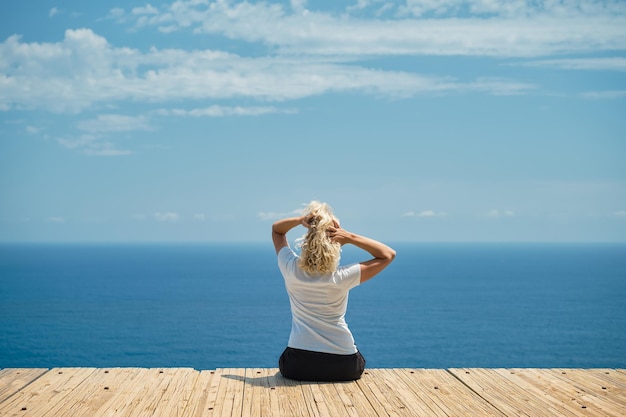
{"points": [[416, 120]]}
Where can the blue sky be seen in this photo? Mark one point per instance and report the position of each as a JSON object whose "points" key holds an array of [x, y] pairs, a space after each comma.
{"points": [[416, 120]]}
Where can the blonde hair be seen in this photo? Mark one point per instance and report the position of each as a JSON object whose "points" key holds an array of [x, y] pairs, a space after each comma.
{"points": [[318, 253]]}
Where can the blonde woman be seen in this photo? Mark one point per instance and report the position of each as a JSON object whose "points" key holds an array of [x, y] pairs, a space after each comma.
{"points": [[321, 346]]}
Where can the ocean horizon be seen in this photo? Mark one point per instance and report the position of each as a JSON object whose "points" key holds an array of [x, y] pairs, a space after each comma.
{"points": [[214, 305]]}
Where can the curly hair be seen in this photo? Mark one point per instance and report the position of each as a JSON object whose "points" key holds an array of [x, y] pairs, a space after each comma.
{"points": [[318, 253]]}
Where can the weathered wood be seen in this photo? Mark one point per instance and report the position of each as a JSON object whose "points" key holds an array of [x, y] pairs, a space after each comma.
{"points": [[46, 394], [522, 392], [13, 380], [444, 395], [178, 392], [198, 400], [121, 388]]}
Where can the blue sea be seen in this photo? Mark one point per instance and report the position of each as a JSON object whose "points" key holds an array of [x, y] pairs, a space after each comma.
{"points": [[209, 306]]}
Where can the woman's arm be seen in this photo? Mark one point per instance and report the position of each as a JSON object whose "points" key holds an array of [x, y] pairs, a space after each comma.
{"points": [[383, 254], [280, 229]]}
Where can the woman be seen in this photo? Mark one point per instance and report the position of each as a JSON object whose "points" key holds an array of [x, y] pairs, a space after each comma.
{"points": [[321, 347]]}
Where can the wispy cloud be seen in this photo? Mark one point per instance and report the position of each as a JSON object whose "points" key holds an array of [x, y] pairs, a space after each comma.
{"points": [[60, 77], [91, 144], [484, 27], [106, 123], [595, 64], [511, 9], [166, 217], [273, 215], [53, 12], [605, 95], [620, 213], [425, 213], [494, 213], [223, 111], [105, 149]]}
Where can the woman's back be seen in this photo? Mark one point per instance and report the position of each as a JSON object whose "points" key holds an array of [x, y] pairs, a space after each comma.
{"points": [[318, 306]]}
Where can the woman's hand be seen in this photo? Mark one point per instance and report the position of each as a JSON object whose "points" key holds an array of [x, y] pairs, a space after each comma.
{"points": [[338, 235], [306, 221]]}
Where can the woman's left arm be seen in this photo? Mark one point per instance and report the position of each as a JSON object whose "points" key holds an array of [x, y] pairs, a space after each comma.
{"points": [[280, 229]]}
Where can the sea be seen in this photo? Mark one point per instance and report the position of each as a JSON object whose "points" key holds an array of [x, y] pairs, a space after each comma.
{"points": [[209, 306]]}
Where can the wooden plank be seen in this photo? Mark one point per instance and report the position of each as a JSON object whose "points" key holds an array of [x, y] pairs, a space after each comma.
{"points": [[539, 395], [213, 393], [613, 377], [197, 403], [314, 400], [562, 390], [176, 394], [173, 392], [256, 402], [595, 383], [290, 396], [144, 395], [445, 395], [386, 393], [355, 400], [409, 396], [273, 380], [229, 399], [510, 399], [429, 389], [97, 391], [372, 393], [43, 395], [83, 395], [152, 392], [14, 379], [559, 397], [122, 387]]}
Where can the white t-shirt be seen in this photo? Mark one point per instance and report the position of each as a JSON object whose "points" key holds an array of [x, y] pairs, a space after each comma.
{"points": [[318, 305]]}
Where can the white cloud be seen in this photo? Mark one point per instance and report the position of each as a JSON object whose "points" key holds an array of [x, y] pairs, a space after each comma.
{"points": [[147, 9], [32, 130], [78, 142], [84, 70], [166, 217], [222, 111], [199, 216], [620, 213], [116, 13], [105, 149], [511, 8], [425, 213], [500, 213], [91, 144], [605, 95], [509, 29], [298, 5], [597, 64], [53, 12], [272, 215], [114, 123]]}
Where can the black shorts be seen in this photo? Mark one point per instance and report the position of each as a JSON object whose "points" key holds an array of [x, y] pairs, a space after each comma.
{"points": [[305, 365]]}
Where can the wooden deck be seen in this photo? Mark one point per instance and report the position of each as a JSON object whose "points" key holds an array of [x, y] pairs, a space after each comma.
{"points": [[173, 392]]}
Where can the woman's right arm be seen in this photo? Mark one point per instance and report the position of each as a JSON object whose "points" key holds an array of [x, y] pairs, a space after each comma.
{"points": [[280, 229], [383, 254]]}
